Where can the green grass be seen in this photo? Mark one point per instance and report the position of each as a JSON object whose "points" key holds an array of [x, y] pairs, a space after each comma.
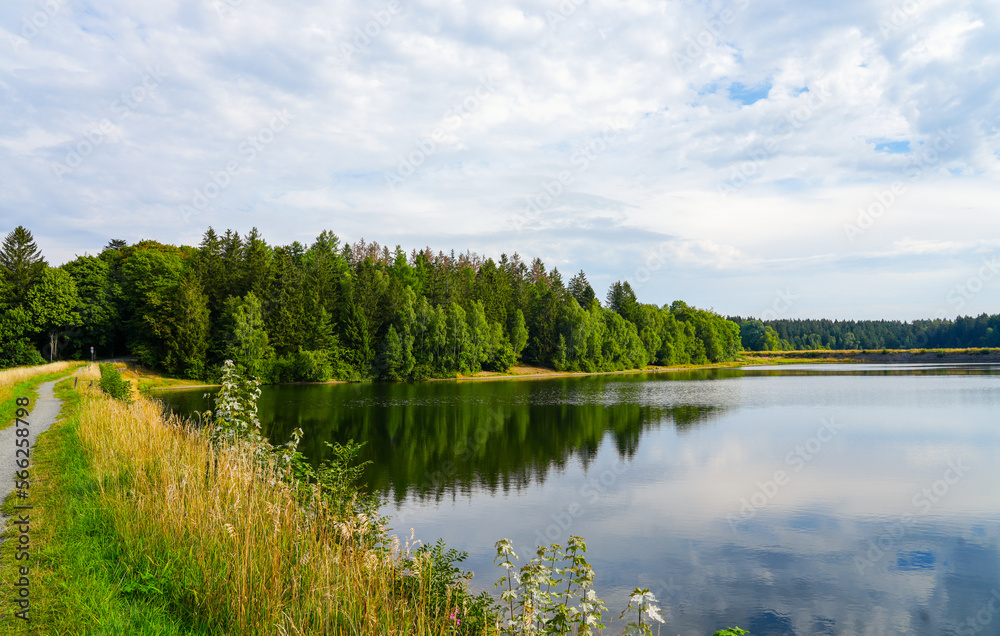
{"points": [[25, 388], [77, 585]]}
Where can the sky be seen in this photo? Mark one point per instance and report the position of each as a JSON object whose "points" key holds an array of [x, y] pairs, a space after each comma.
{"points": [[755, 157]]}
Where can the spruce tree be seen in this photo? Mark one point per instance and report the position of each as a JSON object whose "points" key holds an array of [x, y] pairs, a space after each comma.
{"points": [[21, 264]]}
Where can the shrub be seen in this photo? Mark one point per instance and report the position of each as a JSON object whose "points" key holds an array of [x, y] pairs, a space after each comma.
{"points": [[19, 353], [434, 579], [313, 366], [114, 384]]}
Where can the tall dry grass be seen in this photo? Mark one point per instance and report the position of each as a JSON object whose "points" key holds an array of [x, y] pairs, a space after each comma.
{"points": [[230, 545], [10, 377]]}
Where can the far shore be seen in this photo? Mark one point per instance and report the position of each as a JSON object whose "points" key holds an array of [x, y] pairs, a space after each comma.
{"points": [[156, 382]]}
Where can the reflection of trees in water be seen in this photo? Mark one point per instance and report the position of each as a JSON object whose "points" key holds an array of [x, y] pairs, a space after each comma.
{"points": [[433, 439], [435, 454]]}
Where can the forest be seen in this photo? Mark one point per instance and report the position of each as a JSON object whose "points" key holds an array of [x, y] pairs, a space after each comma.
{"points": [[333, 310], [802, 334]]}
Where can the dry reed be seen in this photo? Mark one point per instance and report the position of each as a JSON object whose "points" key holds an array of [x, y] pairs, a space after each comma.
{"points": [[10, 377], [234, 546]]}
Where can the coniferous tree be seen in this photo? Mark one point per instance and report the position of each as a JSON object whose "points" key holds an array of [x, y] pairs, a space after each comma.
{"points": [[248, 344], [187, 346], [518, 334], [581, 290], [21, 265]]}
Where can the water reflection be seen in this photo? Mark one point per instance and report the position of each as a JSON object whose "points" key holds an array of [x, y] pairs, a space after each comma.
{"points": [[674, 480], [434, 439]]}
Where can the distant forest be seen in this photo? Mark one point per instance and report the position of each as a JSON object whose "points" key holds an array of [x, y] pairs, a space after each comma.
{"points": [[798, 335], [333, 310]]}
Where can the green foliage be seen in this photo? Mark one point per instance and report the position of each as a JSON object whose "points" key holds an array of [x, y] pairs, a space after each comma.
{"points": [[502, 357], [340, 477], [235, 422], [19, 353], [16, 349], [314, 366], [352, 312], [51, 302], [581, 290], [962, 332], [642, 601], [114, 384], [21, 265], [148, 275], [391, 361], [621, 300], [234, 419], [518, 333], [98, 310], [247, 343], [80, 578], [186, 347], [553, 594], [756, 336], [434, 578]]}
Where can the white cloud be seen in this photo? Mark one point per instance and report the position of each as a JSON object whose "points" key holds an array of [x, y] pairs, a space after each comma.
{"points": [[801, 161]]}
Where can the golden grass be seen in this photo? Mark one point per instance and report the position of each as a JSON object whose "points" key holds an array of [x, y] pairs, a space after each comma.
{"points": [[10, 377], [232, 545]]}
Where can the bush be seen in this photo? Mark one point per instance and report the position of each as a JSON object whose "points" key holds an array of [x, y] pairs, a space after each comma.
{"points": [[433, 579], [19, 353], [313, 366], [114, 384], [503, 358]]}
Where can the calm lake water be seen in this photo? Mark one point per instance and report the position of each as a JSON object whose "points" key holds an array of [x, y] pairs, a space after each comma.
{"points": [[819, 499]]}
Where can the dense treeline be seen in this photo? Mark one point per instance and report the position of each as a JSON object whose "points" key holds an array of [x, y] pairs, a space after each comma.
{"points": [[331, 309], [784, 335]]}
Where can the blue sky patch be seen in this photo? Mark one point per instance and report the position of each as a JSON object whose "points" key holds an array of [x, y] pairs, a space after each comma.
{"points": [[893, 147], [747, 95]]}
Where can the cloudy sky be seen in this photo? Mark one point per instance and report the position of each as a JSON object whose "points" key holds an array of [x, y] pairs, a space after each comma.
{"points": [[753, 156]]}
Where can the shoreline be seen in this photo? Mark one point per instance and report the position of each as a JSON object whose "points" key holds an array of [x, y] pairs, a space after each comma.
{"points": [[747, 359]]}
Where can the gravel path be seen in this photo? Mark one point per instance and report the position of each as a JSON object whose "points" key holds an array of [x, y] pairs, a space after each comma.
{"points": [[44, 412]]}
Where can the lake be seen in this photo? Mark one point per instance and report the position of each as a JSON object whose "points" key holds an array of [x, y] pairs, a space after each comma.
{"points": [[802, 499]]}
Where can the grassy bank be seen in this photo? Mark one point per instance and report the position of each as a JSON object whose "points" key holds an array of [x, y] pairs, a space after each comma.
{"points": [[23, 382], [140, 525], [77, 584], [147, 380], [132, 535]]}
